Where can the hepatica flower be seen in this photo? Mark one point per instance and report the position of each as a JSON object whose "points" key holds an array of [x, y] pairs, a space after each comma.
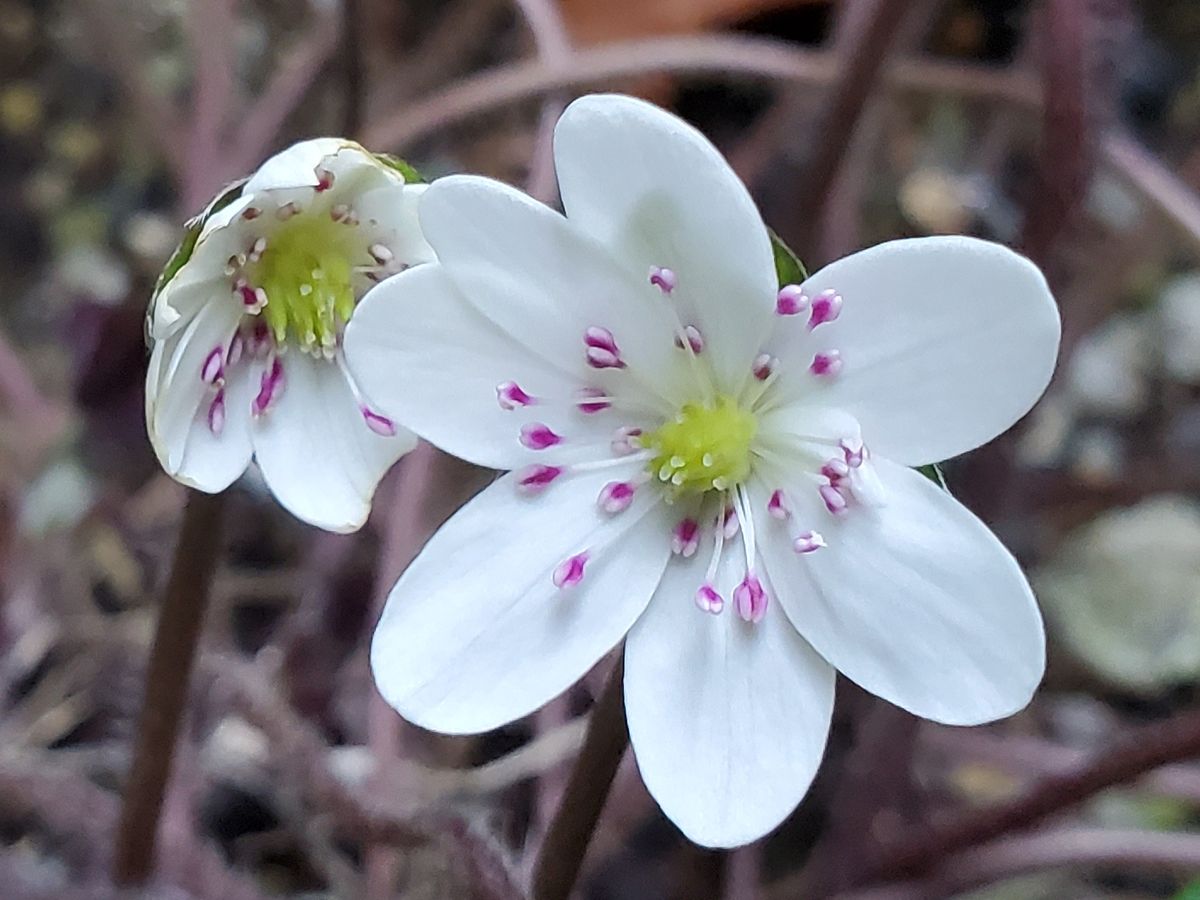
{"points": [[246, 329], [714, 466]]}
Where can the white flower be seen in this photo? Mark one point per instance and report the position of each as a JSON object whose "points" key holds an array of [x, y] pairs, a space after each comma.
{"points": [[281, 267], [683, 434]]}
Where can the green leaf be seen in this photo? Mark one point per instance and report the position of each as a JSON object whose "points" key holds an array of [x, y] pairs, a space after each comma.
{"points": [[410, 174], [934, 473], [1191, 891], [788, 268]]}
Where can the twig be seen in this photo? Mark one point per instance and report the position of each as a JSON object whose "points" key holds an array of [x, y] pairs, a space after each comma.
{"points": [[354, 74], [1157, 184], [1138, 752], [863, 50], [210, 31], [1067, 148], [1076, 848], [292, 79], [553, 43], [567, 839], [167, 676], [406, 529], [756, 57], [125, 59], [1024, 757]]}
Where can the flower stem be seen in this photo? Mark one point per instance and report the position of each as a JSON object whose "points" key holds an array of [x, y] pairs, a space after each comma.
{"points": [[167, 677], [571, 829]]}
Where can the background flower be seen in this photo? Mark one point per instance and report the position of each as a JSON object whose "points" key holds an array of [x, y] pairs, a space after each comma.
{"points": [[280, 263]]}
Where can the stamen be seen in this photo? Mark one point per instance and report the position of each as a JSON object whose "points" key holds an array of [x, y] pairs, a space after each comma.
{"points": [[729, 522], [216, 413], [510, 396], [835, 470], [381, 254], [616, 496], [253, 298], [250, 213], [835, 500], [685, 538], [778, 506], [324, 179], [695, 339], [536, 478], [212, 371], [764, 365], [808, 542], [257, 249], [269, 389], [826, 307], [377, 422], [285, 212], [602, 349], [237, 346], [791, 300], [537, 436], [625, 440], [569, 572], [663, 279], [591, 400], [339, 212], [259, 341], [826, 364], [750, 600], [708, 600], [855, 451]]}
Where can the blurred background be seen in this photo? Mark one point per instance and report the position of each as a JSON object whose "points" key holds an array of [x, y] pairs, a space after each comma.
{"points": [[1064, 128]]}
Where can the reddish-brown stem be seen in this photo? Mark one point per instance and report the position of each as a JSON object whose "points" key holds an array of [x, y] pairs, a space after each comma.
{"points": [[570, 832], [167, 676]]}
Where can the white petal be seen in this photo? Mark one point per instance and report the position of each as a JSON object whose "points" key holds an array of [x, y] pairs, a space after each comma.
{"points": [[177, 398], [212, 461], [430, 359], [916, 601], [475, 634], [294, 167], [391, 212], [728, 720], [316, 452], [945, 342], [655, 190], [545, 282]]}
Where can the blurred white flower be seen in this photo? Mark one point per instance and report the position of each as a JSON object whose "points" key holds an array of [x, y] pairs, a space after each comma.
{"points": [[683, 433], [279, 265]]}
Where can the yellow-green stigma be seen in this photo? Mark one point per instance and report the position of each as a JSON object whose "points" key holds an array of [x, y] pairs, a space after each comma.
{"points": [[705, 447], [306, 271]]}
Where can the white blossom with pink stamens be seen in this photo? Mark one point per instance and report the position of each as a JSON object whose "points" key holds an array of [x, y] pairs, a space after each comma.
{"points": [[742, 510], [279, 264]]}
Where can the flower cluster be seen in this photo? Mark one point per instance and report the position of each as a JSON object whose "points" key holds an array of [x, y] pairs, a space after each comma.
{"points": [[714, 466]]}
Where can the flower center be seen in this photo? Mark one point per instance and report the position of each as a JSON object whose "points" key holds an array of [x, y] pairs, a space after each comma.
{"points": [[705, 447], [306, 271]]}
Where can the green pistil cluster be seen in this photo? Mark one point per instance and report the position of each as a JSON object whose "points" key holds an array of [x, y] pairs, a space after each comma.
{"points": [[705, 447], [307, 273]]}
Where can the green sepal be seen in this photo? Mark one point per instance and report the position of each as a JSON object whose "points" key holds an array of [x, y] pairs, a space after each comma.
{"points": [[934, 473], [788, 268], [407, 171], [191, 234]]}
